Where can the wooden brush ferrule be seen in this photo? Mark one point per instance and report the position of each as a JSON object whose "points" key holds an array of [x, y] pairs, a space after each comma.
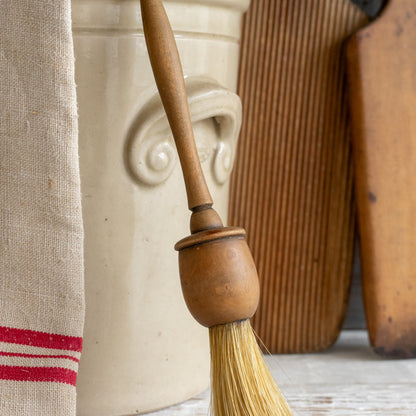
{"points": [[204, 218], [218, 276]]}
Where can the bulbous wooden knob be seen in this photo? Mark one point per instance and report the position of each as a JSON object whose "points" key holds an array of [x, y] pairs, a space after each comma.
{"points": [[218, 276]]}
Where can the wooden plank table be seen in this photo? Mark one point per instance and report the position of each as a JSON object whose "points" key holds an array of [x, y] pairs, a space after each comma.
{"points": [[348, 379]]}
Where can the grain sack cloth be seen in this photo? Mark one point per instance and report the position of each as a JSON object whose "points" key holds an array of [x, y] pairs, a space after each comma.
{"points": [[41, 262]]}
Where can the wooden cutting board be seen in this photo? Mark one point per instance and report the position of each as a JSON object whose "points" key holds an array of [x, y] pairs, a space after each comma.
{"points": [[292, 182], [382, 75]]}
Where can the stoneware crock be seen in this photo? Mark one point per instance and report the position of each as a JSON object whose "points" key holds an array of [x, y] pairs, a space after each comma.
{"points": [[142, 349]]}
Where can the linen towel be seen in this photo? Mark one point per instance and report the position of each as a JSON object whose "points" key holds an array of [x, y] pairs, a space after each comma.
{"points": [[41, 245]]}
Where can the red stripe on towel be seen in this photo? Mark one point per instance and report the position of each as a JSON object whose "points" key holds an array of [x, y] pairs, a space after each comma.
{"points": [[45, 374], [40, 339], [18, 354]]}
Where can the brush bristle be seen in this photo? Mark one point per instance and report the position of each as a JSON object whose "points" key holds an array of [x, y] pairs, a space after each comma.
{"points": [[241, 384]]}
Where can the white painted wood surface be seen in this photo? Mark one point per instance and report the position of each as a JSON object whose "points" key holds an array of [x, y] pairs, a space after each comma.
{"points": [[348, 379]]}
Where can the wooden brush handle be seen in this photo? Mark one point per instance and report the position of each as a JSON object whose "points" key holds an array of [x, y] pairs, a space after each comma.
{"points": [[219, 281], [168, 73]]}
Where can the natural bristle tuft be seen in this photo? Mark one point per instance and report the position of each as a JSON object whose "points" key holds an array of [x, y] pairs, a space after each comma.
{"points": [[241, 383]]}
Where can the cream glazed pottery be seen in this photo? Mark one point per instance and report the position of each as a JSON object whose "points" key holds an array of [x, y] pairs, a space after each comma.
{"points": [[142, 349]]}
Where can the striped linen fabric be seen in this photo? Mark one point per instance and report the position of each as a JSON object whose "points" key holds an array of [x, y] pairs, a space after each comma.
{"points": [[27, 355], [41, 232]]}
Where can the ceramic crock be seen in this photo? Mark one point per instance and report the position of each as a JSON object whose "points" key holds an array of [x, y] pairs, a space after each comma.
{"points": [[142, 349]]}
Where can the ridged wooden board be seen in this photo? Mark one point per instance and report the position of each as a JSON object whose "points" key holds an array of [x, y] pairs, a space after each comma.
{"points": [[292, 182]]}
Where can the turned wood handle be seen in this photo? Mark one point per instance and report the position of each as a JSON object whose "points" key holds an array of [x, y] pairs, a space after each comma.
{"points": [[168, 74]]}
